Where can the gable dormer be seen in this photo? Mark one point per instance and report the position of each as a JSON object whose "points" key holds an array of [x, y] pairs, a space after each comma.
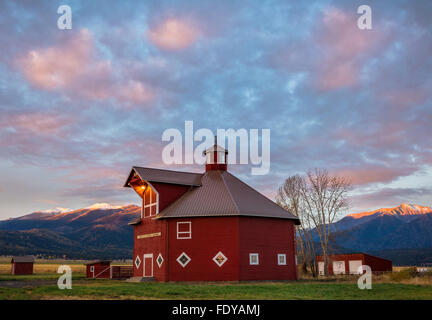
{"points": [[158, 188]]}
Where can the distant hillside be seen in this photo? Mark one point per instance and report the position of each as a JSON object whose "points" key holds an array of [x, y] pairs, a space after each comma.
{"points": [[403, 233], [99, 231]]}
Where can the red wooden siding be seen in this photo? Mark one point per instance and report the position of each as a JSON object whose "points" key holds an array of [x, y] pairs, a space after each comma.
{"points": [[121, 272], [154, 245], [377, 264], [101, 270], [268, 238], [168, 193], [22, 268], [209, 236], [234, 237]]}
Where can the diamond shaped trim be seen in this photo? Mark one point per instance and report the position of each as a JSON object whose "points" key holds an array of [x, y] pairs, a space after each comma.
{"points": [[159, 260], [220, 259], [137, 262], [183, 259]]}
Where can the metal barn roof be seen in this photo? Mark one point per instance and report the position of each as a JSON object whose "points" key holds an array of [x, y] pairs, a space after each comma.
{"points": [[222, 194], [23, 259], [166, 176], [98, 261]]}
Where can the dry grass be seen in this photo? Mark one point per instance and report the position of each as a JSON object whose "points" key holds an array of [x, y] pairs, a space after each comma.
{"points": [[403, 275], [44, 268]]}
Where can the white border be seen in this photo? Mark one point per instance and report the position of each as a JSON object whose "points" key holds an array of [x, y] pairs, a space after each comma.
{"points": [[148, 255], [178, 259], [143, 206], [187, 233], [250, 259], [278, 259], [217, 262], [139, 262], [157, 260]]}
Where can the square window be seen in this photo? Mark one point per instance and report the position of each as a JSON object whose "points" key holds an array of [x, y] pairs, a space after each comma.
{"points": [[184, 230], [282, 259], [253, 259]]}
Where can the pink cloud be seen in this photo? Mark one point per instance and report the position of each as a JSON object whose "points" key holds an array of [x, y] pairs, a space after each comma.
{"points": [[58, 67], [73, 68], [135, 92], [36, 123], [374, 174], [343, 47], [174, 34], [403, 98]]}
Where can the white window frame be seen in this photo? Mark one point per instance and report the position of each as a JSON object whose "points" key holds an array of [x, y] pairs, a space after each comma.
{"points": [[147, 256], [221, 157], [152, 204], [91, 268], [184, 234], [278, 259], [250, 259]]}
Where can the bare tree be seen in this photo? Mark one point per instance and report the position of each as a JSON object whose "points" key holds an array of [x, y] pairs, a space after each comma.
{"points": [[317, 199], [290, 197], [325, 197]]}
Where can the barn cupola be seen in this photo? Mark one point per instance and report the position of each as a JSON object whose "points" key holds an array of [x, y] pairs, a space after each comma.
{"points": [[216, 157]]}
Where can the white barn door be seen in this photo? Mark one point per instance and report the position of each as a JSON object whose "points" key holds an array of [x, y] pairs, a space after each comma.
{"points": [[321, 268], [338, 267], [354, 265]]}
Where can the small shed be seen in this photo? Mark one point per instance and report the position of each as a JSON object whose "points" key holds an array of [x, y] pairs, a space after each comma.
{"points": [[98, 269], [350, 263], [22, 265]]}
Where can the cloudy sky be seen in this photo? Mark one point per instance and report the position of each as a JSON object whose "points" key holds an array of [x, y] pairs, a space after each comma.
{"points": [[79, 107]]}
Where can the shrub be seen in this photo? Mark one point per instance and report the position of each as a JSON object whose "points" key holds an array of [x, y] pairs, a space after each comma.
{"points": [[404, 274]]}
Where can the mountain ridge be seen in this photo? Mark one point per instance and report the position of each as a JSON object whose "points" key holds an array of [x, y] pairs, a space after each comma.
{"points": [[98, 231]]}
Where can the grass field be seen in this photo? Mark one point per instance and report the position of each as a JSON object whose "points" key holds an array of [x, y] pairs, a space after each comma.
{"points": [[111, 289], [42, 285]]}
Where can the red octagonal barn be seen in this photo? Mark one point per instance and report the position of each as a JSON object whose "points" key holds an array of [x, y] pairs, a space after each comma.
{"points": [[209, 226]]}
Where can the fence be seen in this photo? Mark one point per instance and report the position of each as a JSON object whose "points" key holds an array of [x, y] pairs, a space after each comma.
{"points": [[110, 272]]}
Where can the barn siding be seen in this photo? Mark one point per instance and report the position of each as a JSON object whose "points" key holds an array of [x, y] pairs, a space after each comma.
{"points": [[235, 237], [101, 270], [168, 193], [377, 264], [22, 268], [154, 245], [209, 236], [268, 238]]}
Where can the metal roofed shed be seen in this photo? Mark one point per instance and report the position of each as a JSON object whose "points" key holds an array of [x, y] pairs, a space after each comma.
{"points": [[22, 265]]}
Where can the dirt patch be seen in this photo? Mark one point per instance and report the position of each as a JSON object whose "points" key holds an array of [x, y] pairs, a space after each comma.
{"points": [[24, 284], [31, 283]]}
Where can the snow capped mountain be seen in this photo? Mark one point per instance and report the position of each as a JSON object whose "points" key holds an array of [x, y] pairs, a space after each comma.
{"points": [[100, 230], [406, 226], [402, 210], [56, 210], [103, 206]]}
